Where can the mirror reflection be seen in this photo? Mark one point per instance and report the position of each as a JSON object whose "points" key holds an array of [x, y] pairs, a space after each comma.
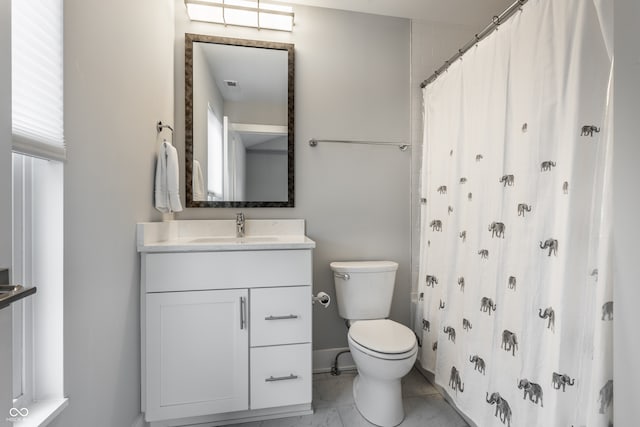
{"points": [[239, 122]]}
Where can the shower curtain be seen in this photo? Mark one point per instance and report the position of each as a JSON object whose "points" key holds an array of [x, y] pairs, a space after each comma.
{"points": [[515, 279]]}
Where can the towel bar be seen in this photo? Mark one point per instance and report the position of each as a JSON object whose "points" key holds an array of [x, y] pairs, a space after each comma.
{"points": [[401, 145]]}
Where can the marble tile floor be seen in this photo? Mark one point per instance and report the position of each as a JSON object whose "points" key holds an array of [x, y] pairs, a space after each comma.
{"points": [[334, 407]]}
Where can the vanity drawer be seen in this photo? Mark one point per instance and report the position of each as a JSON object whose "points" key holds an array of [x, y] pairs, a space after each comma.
{"points": [[280, 315], [280, 376]]}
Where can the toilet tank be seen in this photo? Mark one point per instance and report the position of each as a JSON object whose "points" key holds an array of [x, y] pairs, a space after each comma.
{"points": [[364, 289]]}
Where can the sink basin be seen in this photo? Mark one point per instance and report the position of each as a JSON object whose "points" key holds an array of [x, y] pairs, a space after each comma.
{"points": [[236, 240]]}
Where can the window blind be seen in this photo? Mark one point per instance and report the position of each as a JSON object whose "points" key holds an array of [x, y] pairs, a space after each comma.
{"points": [[37, 78]]}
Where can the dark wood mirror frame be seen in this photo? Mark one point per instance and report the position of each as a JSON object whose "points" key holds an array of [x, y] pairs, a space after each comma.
{"points": [[189, 40]]}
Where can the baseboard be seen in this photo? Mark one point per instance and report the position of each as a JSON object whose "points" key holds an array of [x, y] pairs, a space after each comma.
{"points": [[139, 421], [323, 360], [431, 377], [239, 417]]}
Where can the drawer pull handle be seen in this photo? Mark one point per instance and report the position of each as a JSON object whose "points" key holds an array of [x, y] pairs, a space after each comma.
{"points": [[243, 312], [289, 316], [272, 378]]}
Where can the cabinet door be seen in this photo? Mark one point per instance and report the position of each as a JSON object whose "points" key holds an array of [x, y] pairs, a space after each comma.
{"points": [[197, 353]]}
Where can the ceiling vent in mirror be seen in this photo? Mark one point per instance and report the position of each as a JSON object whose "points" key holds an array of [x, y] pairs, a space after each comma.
{"points": [[231, 83], [244, 13]]}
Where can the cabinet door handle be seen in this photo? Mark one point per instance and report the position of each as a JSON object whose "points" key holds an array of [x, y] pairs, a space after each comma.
{"points": [[289, 316], [243, 312], [288, 377]]}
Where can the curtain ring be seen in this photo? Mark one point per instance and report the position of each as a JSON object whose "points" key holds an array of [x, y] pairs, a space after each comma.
{"points": [[496, 20]]}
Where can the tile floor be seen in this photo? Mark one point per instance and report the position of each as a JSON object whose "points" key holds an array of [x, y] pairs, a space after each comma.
{"points": [[333, 405]]}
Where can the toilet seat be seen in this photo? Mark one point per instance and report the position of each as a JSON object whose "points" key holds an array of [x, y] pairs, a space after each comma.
{"points": [[383, 339], [383, 356]]}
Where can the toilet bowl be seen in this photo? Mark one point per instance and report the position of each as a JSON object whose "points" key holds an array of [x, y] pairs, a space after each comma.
{"points": [[384, 351]]}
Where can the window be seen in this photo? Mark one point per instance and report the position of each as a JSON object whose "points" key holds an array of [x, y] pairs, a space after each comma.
{"points": [[36, 62], [38, 261], [215, 149], [37, 192]]}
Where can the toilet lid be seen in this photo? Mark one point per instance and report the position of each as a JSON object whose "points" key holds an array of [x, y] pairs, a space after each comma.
{"points": [[383, 336], [363, 266]]}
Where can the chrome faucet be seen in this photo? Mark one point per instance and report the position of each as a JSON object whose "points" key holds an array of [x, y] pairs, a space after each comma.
{"points": [[239, 224]]}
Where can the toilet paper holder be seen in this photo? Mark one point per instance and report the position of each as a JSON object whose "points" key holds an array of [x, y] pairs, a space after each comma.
{"points": [[323, 298]]}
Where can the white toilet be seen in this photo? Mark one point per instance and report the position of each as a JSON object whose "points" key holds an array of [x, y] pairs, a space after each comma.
{"points": [[384, 351]]}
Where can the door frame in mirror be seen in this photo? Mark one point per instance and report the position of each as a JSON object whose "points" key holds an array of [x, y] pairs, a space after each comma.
{"points": [[289, 48]]}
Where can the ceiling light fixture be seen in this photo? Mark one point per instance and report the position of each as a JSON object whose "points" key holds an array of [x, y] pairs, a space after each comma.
{"points": [[244, 13]]}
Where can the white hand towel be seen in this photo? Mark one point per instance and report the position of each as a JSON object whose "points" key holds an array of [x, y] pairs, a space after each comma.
{"points": [[161, 199], [167, 198], [198, 181]]}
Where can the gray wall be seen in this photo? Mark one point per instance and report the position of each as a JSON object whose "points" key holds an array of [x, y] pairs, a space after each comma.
{"points": [[352, 82], [266, 174], [256, 113], [626, 206], [5, 134], [118, 84], [5, 199]]}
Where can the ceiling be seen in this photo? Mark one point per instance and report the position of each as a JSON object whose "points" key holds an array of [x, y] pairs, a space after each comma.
{"points": [[476, 13], [239, 63]]}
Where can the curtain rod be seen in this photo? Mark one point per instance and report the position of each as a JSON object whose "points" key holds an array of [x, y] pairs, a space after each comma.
{"points": [[495, 23]]}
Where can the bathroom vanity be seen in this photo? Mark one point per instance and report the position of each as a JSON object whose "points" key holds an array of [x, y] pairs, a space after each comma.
{"points": [[225, 321]]}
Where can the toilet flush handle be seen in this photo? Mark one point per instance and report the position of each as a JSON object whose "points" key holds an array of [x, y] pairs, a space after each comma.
{"points": [[344, 276]]}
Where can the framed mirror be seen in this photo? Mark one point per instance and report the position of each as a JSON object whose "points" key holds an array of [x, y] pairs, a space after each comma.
{"points": [[239, 122]]}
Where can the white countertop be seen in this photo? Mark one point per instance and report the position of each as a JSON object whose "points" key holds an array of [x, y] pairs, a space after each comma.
{"points": [[219, 235]]}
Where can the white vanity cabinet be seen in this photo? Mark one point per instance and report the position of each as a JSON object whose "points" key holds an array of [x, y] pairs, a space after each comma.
{"points": [[226, 332]]}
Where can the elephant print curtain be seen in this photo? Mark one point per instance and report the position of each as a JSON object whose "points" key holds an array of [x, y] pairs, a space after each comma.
{"points": [[514, 273]]}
